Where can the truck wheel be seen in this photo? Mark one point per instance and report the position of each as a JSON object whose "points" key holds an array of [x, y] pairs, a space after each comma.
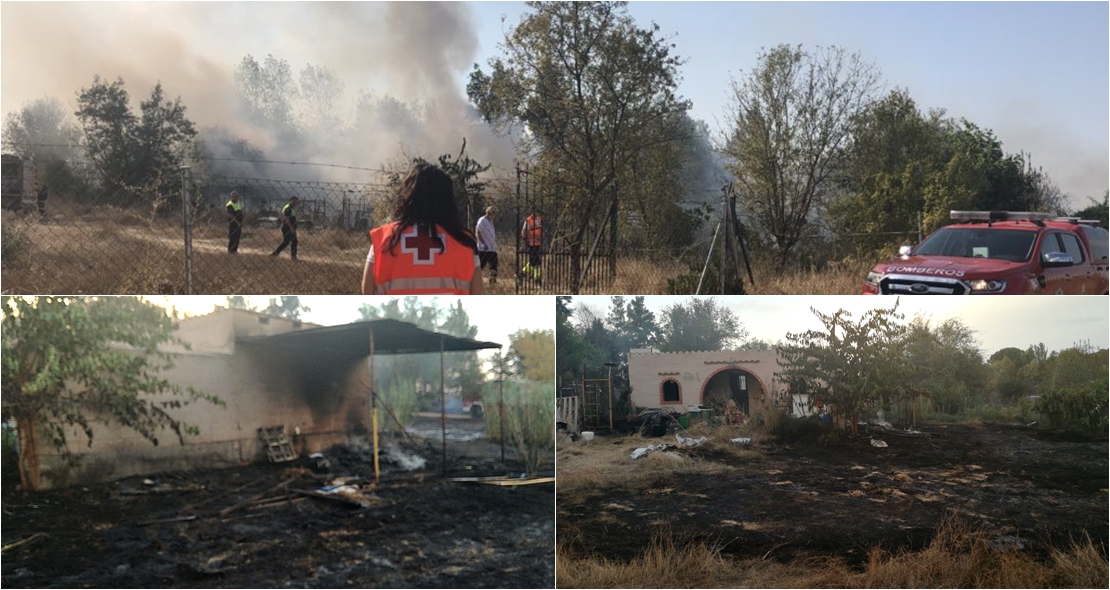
{"points": [[476, 413]]}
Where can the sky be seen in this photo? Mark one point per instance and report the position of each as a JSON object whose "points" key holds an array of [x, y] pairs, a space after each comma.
{"points": [[1036, 73], [999, 322], [496, 316]]}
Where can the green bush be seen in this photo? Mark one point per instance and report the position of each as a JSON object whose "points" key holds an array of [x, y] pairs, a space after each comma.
{"points": [[529, 421], [1080, 408], [400, 396], [13, 240]]}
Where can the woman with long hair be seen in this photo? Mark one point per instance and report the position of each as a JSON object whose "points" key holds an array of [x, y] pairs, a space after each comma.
{"points": [[426, 250]]}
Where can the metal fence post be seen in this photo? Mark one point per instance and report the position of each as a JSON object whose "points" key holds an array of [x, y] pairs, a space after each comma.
{"points": [[187, 226]]}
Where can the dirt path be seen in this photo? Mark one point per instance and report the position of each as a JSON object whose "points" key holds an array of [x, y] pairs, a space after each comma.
{"points": [[806, 499]]}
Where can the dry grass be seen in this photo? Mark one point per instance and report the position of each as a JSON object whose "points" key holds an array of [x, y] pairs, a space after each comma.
{"points": [[133, 255], [606, 462], [636, 276], [958, 557], [840, 278], [80, 250]]}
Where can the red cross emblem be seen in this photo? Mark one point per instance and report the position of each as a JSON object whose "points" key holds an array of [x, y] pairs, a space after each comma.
{"points": [[422, 245]]}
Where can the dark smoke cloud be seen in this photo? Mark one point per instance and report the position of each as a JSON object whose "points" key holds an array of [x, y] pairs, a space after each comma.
{"points": [[409, 57]]}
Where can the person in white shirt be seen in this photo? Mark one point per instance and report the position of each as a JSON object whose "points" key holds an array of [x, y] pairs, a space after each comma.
{"points": [[487, 242]]}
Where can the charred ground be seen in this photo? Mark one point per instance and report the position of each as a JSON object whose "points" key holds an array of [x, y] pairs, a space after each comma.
{"points": [[788, 499], [419, 530]]}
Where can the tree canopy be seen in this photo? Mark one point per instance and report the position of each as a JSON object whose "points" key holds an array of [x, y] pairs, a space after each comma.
{"points": [[462, 370], [848, 364], [78, 361], [700, 323], [532, 355], [593, 92], [791, 132], [137, 156]]}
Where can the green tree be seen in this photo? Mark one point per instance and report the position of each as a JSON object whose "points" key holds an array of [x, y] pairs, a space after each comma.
{"points": [[572, 351], [943, 363], [42, 130], [532, 355], [286, 306], [1097, 210], [791, 131], [848, 364], [632, 323], [269, 93], [238, 302], [135, 156], [699, 323], [462, 370], [76, 361], [469, 191], [594, 91], [465, 372]]}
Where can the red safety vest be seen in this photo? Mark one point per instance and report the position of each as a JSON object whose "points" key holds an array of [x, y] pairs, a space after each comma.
{"points": [[533, 231], [420, 264]]}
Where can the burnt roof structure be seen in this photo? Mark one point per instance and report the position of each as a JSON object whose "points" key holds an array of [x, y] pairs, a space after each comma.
{"points": [[353, 341]]}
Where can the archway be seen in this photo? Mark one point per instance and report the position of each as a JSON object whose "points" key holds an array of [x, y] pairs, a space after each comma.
{"points": [[742, 387]]}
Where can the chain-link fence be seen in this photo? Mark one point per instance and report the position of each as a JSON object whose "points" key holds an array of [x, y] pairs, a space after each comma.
{"points": [[79, 244]]}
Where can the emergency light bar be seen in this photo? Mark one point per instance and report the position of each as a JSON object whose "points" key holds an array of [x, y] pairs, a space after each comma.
{"points": [[998, 216]]}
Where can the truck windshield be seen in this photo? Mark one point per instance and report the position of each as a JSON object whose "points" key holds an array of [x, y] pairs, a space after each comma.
{"points": [[973, 242]]}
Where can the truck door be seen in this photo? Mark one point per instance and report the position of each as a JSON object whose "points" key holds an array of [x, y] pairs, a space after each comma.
{"points": [[1082, 274], [1058, 280]]}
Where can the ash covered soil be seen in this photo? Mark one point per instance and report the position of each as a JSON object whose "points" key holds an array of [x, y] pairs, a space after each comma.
{"points": [[1026, 489], [417, 530]]}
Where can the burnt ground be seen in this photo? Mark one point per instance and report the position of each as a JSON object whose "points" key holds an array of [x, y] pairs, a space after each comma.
{"points": [[418, 529], [1023, 488]]}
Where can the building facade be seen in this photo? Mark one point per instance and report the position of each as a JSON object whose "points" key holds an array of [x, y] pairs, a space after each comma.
{"points": [[684, 380]]}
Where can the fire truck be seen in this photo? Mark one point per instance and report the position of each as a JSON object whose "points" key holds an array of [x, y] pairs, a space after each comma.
{"points": [[1000, 252]]}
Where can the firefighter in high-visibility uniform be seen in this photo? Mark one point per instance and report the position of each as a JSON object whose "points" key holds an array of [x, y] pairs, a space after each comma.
{"points": [[427, 250], [288, 228], [532, 234]]}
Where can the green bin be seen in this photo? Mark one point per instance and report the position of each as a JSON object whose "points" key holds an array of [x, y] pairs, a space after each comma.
{"points": [[683, 420]]}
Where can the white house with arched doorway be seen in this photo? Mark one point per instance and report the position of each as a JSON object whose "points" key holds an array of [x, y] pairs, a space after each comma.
{"points": [[679, 380]]}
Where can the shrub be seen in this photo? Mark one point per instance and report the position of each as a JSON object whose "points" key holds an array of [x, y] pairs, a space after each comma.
{"points": [[400, 396], [529, 421], [13, 240], [1081, 408]]}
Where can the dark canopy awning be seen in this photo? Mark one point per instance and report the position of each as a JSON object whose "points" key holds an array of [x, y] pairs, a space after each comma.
{"points": [[353, 340]]}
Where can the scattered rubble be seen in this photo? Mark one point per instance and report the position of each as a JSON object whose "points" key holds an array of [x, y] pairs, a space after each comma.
{"points": [[287, 525]]}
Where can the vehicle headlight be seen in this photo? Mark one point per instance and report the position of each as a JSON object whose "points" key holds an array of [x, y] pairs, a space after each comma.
{"points": [[982, 286], [873, 278]]}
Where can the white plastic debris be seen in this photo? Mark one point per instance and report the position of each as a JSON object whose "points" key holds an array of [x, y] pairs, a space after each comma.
{"points": [[148, 482], [878, 443], [740, 441], [690, 442], [640, 452], [587, 435]]}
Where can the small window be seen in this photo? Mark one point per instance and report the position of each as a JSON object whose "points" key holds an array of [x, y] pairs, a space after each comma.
{"points": [[263, 319], [296, 323], [1071, 246], [1050, 244], [672, 393]]}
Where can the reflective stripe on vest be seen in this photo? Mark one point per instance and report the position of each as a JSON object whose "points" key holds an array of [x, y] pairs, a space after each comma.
{"points": [[428, 284], [235, 206]]}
